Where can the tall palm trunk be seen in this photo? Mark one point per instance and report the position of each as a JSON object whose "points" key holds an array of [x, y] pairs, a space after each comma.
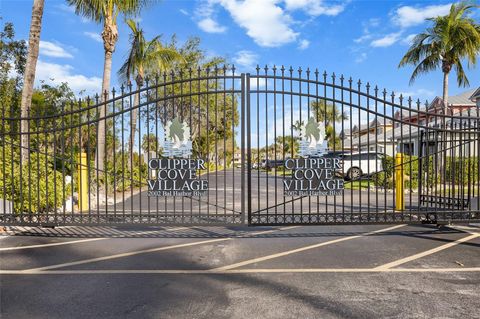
{"points": [[445, 93], [29, 78], [110, 36], [133, 125]]}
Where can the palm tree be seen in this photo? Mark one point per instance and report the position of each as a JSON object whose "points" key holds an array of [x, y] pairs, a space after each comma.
{"points": [[451, 39], [106, 11], [144, 56], [329, 114], [29, 76]]}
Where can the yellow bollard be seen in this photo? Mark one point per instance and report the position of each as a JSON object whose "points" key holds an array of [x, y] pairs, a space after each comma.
{"points": [[399, 183], [82, 182]]}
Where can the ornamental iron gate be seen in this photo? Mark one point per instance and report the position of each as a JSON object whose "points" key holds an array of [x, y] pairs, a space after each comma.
{"points": [[214, 147]]}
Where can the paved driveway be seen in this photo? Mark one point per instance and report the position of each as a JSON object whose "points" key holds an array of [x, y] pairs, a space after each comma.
{"points": [[363, 271]]}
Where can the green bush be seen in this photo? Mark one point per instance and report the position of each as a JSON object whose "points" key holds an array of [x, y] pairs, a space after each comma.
{"points": [[36, 190]]}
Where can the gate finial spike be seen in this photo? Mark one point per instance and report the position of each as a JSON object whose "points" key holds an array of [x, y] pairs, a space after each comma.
{"points": [[274, 68], [299, 70], [376, 90], [282, 69], [368, 86], [122, 88], [325, 74], [291, 69], [384, 92], [308, 72], [359, 83], [316, 72], [342, 78], [266, 68], [333, 76]]}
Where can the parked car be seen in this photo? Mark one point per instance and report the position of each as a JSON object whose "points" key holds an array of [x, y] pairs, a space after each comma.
{"points": [[269, 164], [357, 165]]}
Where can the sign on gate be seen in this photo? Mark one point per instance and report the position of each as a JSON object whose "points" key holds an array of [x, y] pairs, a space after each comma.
{"points": [[176, 176], [313, 177]]}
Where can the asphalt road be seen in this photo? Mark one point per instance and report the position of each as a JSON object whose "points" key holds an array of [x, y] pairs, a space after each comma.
{"points": [[364, 271]]}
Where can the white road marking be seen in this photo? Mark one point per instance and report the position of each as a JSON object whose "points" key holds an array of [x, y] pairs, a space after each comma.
{"points": [[293, 251], [137, 252], [426, 253], [233, 271], [86, 240], [52, 244]]}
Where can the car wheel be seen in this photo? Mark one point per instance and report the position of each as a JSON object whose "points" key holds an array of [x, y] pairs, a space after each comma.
{"points": [[354, 173]]}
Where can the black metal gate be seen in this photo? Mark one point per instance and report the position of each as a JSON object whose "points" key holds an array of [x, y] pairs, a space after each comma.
{"points": [[220, 148]]}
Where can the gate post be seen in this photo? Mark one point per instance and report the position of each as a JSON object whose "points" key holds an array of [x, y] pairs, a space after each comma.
{"points": [[83, 189], [399, 183]]}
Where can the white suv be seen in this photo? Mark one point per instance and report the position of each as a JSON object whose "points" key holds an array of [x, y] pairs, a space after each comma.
{"points": [[357, 165]]}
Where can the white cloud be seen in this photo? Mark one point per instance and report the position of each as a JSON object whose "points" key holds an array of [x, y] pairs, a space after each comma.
{"points": [[184, 12], [362, 57], [246, 59], [265, 22], [408, 40], [95, 36], [363, 38], [422, 94], [211, 26], [304, 44], [53, 50], [387, 40], [315, 7], [53, 73], [408, 16]]}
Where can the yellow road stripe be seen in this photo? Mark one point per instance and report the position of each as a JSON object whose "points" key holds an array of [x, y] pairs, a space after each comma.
{"points": [[426, 253], [151, 250], [293, 251], [234, 271]]}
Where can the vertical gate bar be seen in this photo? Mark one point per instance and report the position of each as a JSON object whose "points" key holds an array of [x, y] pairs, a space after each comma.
{"points": [[334, 111], [207, 131], [234, 105], [275, 133], [244, 77], [174, 113], [324, 125], [257, 94], [301, 120], [216, 142], [199, 97], [63, 159], [420, 171], [122, 128], [4, 162], [249, 147], [291, 129], [375, 90], [189, 125], [96, 158], [359, 87], [148, 145], [21, 152], [30, 163], [368, 152], [182, 118], [385, 180], [392, 96], [317, 101], [130, 150], [89, 179], [283, 137], [350, 93], [54, 159], [105, 175], [224, 87], [342, 97], [308, 116], [266, 142], [402, 152], [38, 167], [114, 158]]}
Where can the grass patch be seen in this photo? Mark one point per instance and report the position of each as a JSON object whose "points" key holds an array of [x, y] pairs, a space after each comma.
{"points": [[358, 185]]}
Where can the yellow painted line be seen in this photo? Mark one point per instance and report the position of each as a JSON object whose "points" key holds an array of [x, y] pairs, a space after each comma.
{"points": [[86, 240], [297, 250], [235, 271], [151, 250], [426, 253]]}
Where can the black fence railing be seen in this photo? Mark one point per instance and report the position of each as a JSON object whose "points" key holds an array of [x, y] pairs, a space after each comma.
{"points": [[228, 149]]}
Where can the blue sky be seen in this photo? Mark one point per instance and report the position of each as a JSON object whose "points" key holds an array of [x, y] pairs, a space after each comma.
{"points": [[362, 39]]}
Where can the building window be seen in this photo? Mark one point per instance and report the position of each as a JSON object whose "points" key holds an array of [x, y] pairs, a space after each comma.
{"points": [[407, 148]]}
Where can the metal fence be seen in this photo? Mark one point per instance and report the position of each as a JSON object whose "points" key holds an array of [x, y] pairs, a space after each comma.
{"points": [[214, 146]]}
